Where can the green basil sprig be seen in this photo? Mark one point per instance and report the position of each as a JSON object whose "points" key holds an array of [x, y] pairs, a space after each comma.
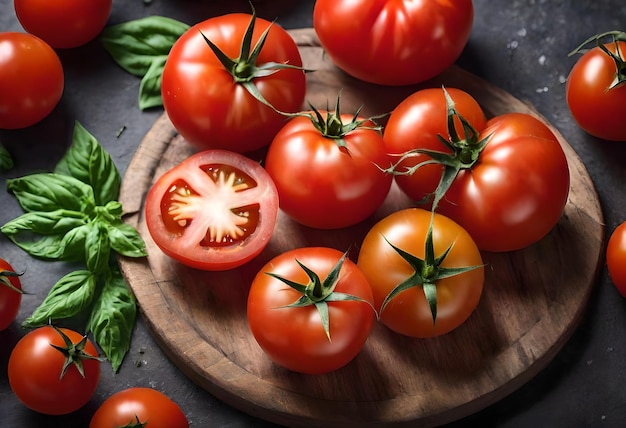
{"points": [[72, 214], [141, 47]]}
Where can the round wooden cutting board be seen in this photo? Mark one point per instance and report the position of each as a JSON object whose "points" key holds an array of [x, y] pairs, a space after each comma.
{"points": [[532, 302]]}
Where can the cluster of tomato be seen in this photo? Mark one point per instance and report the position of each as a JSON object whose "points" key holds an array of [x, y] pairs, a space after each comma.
{"points": [[56, 370], [234, 85]]}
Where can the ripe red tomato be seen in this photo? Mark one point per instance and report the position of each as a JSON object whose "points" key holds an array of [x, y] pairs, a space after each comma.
{"points": [[295, 337], [63, 23], [597, 109], [36, 370], [31, 80], [216, 210], [416, 122], [210, 105], [616, 258], [332, 179], [512, 194], [409, 312], [135, 406], [393, 42], [10, 294]]}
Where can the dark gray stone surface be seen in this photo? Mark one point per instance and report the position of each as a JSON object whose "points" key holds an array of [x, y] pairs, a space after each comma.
{"points": [[519, 45]]}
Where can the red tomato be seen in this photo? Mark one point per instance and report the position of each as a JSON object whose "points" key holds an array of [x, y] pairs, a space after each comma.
{"points": [[616, 258], [36, 371], [393, 42], [31, 80], [134, 406], [216, 210], [409, 313], [416, 122], [597, 107], [10, 294], [63, 23], [511, 196], [295, 337], [331, 181], [210, 106]]}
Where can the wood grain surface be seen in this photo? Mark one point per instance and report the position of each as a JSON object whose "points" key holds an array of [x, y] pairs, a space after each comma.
{"points": [[532, 302]]}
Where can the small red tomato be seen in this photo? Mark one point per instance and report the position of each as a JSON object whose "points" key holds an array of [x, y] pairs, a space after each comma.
{"points": [[54, 371], [616, 258], [31, 80], [10, 294], [596, 92], [134, 407], [63, 23]]}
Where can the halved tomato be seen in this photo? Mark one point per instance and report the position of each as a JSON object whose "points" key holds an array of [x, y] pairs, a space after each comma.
{"points": [[216, 210]]}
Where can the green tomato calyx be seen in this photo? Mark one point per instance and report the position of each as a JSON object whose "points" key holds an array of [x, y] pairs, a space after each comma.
{"points": [[245, 69], [427, 272], [319, 292], [74, 353]]}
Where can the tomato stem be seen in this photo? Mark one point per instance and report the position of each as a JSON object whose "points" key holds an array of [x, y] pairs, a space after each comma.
{"points": [[4, 279]]}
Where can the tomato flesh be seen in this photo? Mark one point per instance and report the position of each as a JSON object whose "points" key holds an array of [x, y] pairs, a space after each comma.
{"points": [[214, 211], [229, 224]]}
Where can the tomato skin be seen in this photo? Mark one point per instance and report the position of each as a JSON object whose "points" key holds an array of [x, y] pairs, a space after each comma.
{"points": [[213, 203], [294, 337], [63, 23], [204, 103], [415, 123], [35, 367], [31, 80], [396, 42], [409, 313], [597, 109], [10, 300], [325, 186], [616, 258], [146, 404]]}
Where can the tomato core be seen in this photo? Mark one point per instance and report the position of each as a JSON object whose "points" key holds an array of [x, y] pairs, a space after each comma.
{"points": [[225, 222]]}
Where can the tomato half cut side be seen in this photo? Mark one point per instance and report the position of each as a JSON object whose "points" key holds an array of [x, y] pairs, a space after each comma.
{"points": [[216, 210]]}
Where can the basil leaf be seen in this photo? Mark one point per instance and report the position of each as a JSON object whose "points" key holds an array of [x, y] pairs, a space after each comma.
{"points": [[44, 234], [135, 44], [6, 161], [71, 294], [150, 87], [97, 248], [113, 317], [88, 162], [73, 243], [51, 192], [125, 240], [45, 223]]}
